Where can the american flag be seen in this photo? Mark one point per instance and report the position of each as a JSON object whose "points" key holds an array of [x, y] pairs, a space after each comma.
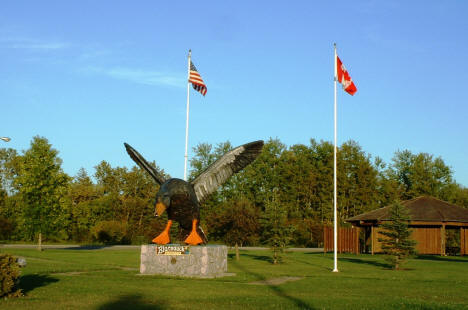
{"points": [[196, 80]]}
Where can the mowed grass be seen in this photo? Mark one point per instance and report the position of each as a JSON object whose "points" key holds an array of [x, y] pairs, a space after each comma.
{"points": [[109, 279]]}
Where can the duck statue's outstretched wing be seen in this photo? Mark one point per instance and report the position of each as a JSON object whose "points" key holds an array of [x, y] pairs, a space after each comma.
{"points": [[141, 161], [222, 169]]}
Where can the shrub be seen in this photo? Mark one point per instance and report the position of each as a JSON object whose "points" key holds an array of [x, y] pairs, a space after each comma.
{"points": [[9, 276], [237, 223], [307, 233], [80, 234], [110, 232], [6, 228], [139, 240]]}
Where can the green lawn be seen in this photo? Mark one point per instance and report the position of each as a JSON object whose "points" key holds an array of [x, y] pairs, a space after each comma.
{"points": [[109, 279]]}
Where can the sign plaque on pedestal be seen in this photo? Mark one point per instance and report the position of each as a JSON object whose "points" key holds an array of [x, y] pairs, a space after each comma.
{"points": [[207, 261]]}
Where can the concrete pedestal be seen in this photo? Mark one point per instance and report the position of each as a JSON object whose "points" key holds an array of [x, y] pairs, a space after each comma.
{"points": [[208, 261]]}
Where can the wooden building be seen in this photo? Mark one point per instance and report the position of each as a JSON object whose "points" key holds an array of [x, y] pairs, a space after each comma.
{"points": [[431, 219]]}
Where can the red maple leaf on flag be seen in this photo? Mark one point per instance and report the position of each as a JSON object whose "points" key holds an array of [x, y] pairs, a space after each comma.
{"points": [[344, 78]]}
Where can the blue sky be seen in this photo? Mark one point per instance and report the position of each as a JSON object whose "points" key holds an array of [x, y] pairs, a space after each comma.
{"points": [[90, 75]]}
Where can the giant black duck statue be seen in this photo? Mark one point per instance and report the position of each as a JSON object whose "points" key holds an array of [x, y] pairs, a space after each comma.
{"points": [[182, 199]]}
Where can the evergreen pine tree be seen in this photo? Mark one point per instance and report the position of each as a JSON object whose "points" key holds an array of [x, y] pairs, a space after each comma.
{"points": [[276, 229], [397, 243]]}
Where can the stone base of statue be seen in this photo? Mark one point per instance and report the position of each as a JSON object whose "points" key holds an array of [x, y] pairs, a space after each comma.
{"points": [[207, 261]]}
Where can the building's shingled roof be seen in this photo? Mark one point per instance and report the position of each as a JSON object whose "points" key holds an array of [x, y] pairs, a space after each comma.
{"points": [[427, 209]]}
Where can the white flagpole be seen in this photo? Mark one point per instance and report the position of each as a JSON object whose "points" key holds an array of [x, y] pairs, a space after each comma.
{"points": [[187, 120], [335, 225]]}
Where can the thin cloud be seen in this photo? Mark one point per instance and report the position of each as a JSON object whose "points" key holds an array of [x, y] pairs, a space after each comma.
{"points": [[139, 76], [33, 44], [94, 53]]}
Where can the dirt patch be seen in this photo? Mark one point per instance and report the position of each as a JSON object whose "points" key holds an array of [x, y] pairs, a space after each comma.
{"points": [[276, 281]]}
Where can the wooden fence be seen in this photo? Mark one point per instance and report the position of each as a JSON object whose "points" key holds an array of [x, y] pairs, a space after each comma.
{"points": [[348, 240]]}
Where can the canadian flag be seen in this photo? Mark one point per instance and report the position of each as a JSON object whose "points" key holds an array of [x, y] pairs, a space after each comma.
{"points": [[344, 78]]}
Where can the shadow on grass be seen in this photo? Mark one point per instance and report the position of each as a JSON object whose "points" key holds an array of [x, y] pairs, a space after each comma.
{"points": [[278, 291], [450, 259], [348, 259], [366, 262], [264, 258], [308, 262], [31, 281], [134, 302], [88, 247], [270, 259]]}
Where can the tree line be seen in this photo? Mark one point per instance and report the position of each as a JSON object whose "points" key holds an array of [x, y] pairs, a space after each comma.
{"points": [[285, 196]]}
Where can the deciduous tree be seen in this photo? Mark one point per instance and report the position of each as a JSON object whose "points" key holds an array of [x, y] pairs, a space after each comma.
{"points": [[41, 184], [237, 224], [420, 174]]}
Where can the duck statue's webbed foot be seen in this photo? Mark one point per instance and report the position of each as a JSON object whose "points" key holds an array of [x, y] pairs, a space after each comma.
{"points": [[164, 237], [194, 238]]}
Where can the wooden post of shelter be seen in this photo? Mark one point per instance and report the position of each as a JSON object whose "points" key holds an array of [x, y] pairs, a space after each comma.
{"points": [[463, 241], [442, 239]]}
